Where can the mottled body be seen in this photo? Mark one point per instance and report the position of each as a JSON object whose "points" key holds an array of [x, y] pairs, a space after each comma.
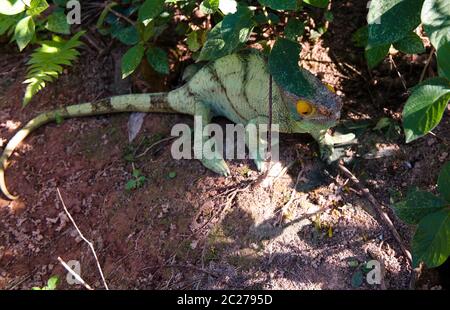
{"points": [[235, 86]]}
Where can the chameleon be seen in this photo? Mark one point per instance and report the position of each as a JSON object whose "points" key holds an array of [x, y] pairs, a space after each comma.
{"points": [[235, 86]]}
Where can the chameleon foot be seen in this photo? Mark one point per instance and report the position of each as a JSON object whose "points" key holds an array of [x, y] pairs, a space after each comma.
{"points": [[218, 165]]}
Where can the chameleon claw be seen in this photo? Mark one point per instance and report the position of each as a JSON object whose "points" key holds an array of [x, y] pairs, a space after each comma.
{"points": [[217, 165]]}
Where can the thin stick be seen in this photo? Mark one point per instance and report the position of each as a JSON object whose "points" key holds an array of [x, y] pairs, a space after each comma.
{"points": [[398, 73], [155, 144], [379, 209], [76, 275], [85, 240], [422, 75]]}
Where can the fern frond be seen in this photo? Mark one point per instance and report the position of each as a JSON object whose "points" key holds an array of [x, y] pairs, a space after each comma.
{"points": [[46, 63]]}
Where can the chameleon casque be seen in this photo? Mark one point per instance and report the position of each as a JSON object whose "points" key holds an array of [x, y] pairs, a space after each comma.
{"points": [[235, 86]]}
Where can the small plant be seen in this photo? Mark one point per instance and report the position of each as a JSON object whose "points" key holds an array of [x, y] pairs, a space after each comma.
{"points": [[28, 23], [431, 214], [393, 23], [51, 284], [137, 180], [360, 270]]}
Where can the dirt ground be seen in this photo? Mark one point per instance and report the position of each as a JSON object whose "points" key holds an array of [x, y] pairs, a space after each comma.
{"points": [[187, 228]]}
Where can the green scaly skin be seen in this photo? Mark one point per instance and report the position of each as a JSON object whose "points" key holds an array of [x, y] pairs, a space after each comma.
{"points": [[235, 86]]}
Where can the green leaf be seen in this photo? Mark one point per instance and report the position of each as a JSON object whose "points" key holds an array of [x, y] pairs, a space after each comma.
{"points": [[357, 278], [132, 59], [376, 54], [209, 6], [8, 23], [294, 29], [226, 36], [157, 58], [318, 3], [57, 22], [424, 109], [361, 36], [283, 65], [417, 205], [36, 288], [37, 7], [280, 4], [172, 175], [444, 182], [192, 41], [443, 60], [411, 44], [149, 10], [24, 32], [391, 20], [52, 282], [131, 184], [11, 7], [436, 21], [431, 242], [127, 35]]}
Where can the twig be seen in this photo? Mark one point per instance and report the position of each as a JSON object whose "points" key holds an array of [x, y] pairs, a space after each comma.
{"points": [[398, 73], [379, 209], [76, 275], [155, 144], [85, 240], [422, 75]]}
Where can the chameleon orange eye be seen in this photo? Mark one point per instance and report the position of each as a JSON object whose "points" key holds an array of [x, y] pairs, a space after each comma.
{"points": [[304, 108], [331, 88]]}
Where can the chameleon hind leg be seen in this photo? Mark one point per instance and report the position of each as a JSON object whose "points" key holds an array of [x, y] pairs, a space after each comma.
{"points": [[213, 160]]}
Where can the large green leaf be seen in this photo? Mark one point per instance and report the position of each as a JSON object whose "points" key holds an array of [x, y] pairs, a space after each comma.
{"points": [[444, 182], [24, 32], [424, 109], [391, 20], [318, 3], [436, 21], [149, 10], [431, 242], [132, 59], [157, 58], [11, 7], [283, 65], [417, 205], [280, 4], [227, 35], [443, 59], [411, 44]]}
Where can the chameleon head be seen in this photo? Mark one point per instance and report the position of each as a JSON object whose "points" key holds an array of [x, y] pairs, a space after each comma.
{"points": [[317, 109]]}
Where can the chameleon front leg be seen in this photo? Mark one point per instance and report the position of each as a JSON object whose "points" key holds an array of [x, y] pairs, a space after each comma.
{"points": [[215, 162], [256, 151], [326, 144]]}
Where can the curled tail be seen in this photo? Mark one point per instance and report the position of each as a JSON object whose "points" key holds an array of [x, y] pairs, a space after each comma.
{"points": [[157, 102]]}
